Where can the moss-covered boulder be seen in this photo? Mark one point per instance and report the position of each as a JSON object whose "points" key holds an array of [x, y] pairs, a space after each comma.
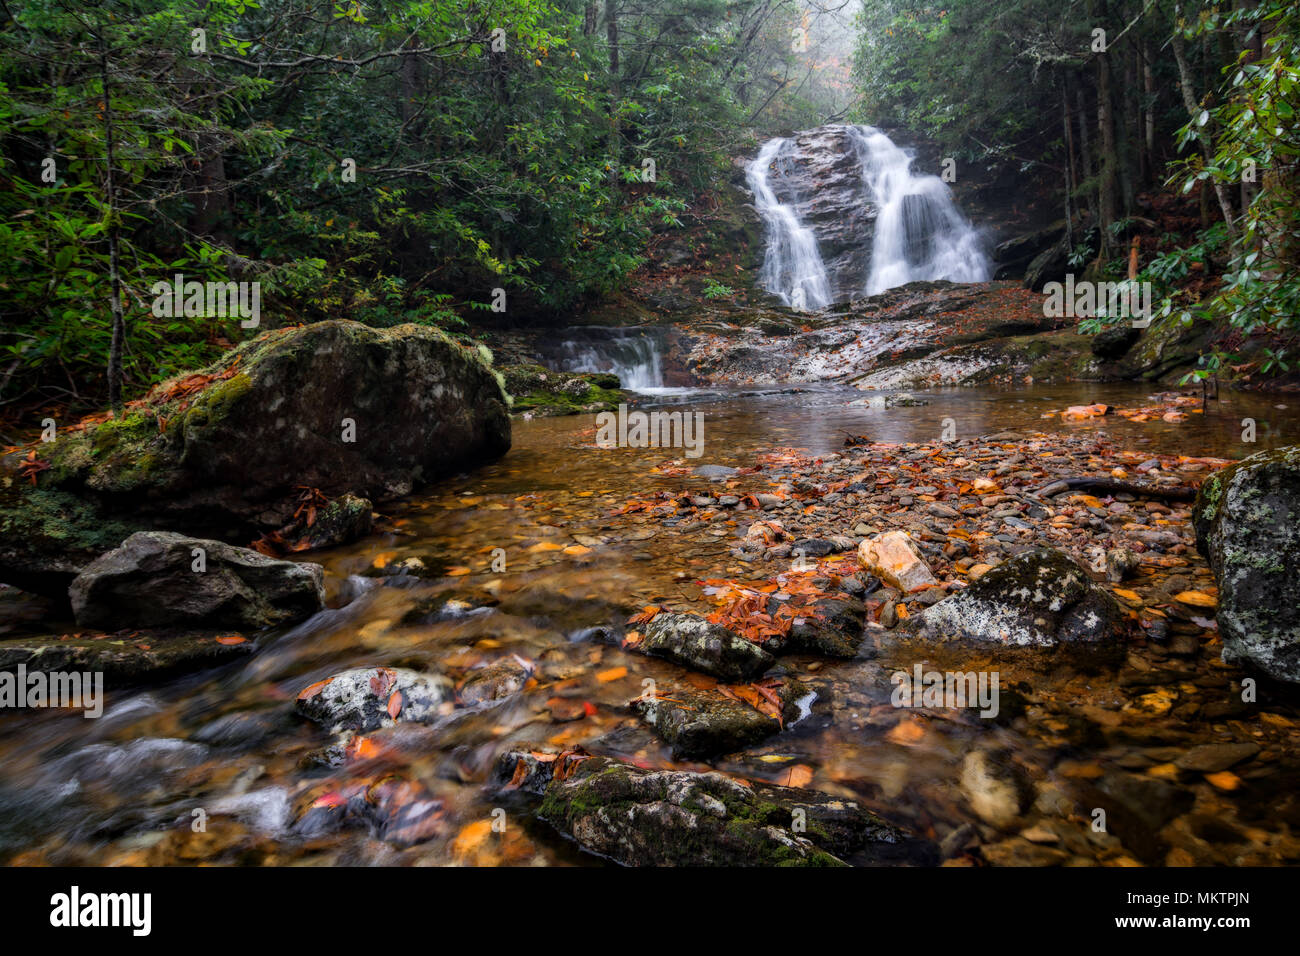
{"points": [[227, 451], [1247, 520], [541, 391], [1040, 604], [642, 817], [162, 579]]}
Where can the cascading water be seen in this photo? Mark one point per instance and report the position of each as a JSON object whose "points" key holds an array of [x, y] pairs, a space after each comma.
{"points": [[919, 233], [843, 178], [631, 354], [792, 266]]}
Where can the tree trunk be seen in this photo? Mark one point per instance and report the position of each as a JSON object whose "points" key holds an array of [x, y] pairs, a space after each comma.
{"points": [[615, 95], [1108, 160], [1193, 111], [114, 272], [1149, 89], [1085, 148]]}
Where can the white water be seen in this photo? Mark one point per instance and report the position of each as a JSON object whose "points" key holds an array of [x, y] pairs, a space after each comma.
{"points": [[635, 357], [919, 233], [792, 266]]}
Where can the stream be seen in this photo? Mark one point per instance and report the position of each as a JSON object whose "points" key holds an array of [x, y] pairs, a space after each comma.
{"points": [[226, 746]]}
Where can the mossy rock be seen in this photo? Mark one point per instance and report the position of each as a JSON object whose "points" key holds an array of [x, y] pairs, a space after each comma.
{"points": [[125, 658], [539, 391], [1039, 607], [222, 453], [1247, 520], [640, 817]]}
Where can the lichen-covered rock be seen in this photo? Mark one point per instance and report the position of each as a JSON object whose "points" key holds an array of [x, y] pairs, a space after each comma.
{"points": [[152, 581], [1039, 601], [1247, 520], [642, 817], [711, 648], [367, 698], [706, 724]]}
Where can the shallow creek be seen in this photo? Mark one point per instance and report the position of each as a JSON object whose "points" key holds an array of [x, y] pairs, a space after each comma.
{"points": [[125, 788]]}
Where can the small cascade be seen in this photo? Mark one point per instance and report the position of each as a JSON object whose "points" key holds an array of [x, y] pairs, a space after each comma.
{"points": [[634, 355], [919, 233], [792, 266]]}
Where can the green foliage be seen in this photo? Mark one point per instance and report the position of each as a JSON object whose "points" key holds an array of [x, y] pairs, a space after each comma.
{"points": [[1256, 143], [477, 167]]}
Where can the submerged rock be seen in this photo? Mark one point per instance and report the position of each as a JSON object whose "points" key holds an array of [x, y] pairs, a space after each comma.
{"points": [[1247, 520], [128, 657], [711, 648], [151, 581], [1040, 600], [367, 698], [495, 681], [642, 817], [708, 723]]}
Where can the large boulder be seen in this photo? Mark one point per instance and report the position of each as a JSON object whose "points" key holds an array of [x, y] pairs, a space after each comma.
{"points": [[678, 818], [228, 452], [1041, 602], [152, 581], [1247, 519]]}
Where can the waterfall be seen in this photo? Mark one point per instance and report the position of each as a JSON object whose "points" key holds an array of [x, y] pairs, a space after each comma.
{"points": [[631, 354], [792, 266], [845, 177], [919, 232]]}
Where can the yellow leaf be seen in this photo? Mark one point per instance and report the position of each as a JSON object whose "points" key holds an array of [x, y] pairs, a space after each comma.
{"points": [[1196, 598], [1224, 780], [613, 674]]}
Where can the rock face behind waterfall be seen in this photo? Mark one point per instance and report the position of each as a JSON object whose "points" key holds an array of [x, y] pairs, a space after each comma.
{"points": [[820, 176], [224, 453]]}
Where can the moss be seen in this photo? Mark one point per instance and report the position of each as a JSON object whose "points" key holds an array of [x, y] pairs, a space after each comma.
{"points": [[52, 520]]}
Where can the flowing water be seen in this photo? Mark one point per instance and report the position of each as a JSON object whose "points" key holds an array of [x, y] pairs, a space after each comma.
{"points": [[125, 788], [792, 266], [634, 355], [919, 232]]}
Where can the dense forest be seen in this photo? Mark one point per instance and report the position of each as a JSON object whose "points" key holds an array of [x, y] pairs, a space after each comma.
{"points": [[391, 161], [401, 161]]}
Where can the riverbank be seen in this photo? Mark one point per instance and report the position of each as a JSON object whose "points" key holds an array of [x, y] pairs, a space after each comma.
{"points": [[517, 585]]}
